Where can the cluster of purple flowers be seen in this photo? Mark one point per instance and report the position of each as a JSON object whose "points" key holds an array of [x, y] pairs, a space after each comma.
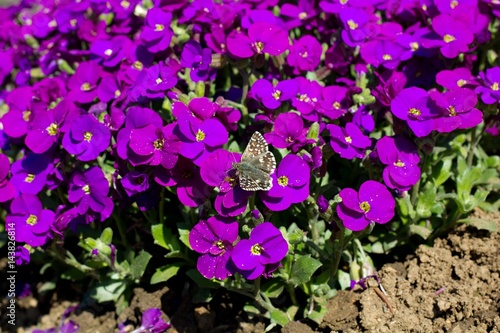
{"points": [[98, 81]]}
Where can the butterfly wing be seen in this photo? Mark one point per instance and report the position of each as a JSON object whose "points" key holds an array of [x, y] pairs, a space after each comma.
{"points": [[255, 181], [256, 146]]}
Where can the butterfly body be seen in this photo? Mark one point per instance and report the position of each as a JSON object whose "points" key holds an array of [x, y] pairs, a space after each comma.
{"points": [[256, 166]]}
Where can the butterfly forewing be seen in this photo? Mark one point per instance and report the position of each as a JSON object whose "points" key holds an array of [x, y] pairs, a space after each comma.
{"points": [[256, 166]]}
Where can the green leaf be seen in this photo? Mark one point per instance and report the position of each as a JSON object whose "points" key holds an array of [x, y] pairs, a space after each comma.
{"points": [[164, 273], [426, 200], [420, 230], [441, 172], [47, 286], [184, 234], [344, 279], [164, 237], [201, 281], [303, 269], [107, 236], [279, 317], [138, 265], [481, 224], [109, 290], [319, 311], [272, 288]]}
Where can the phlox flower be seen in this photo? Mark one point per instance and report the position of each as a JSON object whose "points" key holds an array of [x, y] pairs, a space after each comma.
{"points": [[456, 78], [29, 174], [288, 132], [348, 142], [450, 35], [266, 247], [86, 138], [83, 84], [272, 96], [372, 204], [157, 32], [290, 184], [401, 159], [490, 85], [305, 54], [197, 59], [214, 239], [31, 222]]}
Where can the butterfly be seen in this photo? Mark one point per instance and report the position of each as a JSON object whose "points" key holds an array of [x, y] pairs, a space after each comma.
{"points": [[256, 166]]}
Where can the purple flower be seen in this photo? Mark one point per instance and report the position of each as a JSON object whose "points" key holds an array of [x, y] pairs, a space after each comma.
{"points": [[109, 89], [157, 32], [31, 222], [154, 146], [191, 189], [348, 142], [134, 182], [456, 78], [356, 22], [202, 108], [363, 119], [288, 132], [305, 54], [47, 127], [7, 190], [391, 84], [266, 247], [457, 109], [89, 191], [152, 322], [303, 11], [22, 256], [290, 184], [490, 85], [373, 203], [401, 159], [382, 52], [335, 101], [451, 36], [200, 138], [109, 52], [16, 120], [307, 99], [262, 38], [271, 96], [83, 84], [214, 239], [87, 138], [154, 82], [29, 174], [217, 170], [413, 105], [197, 59]]}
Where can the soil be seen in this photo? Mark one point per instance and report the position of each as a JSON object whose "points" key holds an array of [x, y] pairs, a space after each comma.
{"points": [[449, 287]]}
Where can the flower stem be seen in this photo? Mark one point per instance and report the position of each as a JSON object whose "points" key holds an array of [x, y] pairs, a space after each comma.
{"points": [[121, 231]]}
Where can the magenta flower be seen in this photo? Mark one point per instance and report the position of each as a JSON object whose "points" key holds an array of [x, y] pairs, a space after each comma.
{"points": [[15, 122], [456, 78], [87, 138], [457, 110], [490, 85], [157, 32], [154, 146], [372, 204], [356, 22], [214, 239], [89, 191], [109, 53], [308, 99], [348, 142], [262, 38], [413, 105], [451, 36], [191, 189], [401, 159], [83, 84], [271, 96], [7, 190], [305, 54], [134, 182], [201, 107], [152, 322], [266, 247], [288, 132], [31, 222], [335, 101], [22, 256], [290, 184], [200, 138]]}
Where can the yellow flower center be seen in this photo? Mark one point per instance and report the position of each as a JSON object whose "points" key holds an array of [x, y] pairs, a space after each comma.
{"points": [[352, 25], [86, 189], [452, 111], [108, 52], [52, 129], [453, 4], [220, 245], [117, 93], [29, 178], [304, 54], [461, 82], [158, 80], [85, 86], [399, 163], [283, 181], [259, 46], [276, 94], [387, 57], [158, 144], [256, 250], [72, 22], [336, 105], [494, 86], [365, 206], [32, 219], [200, 135], [303, 16], [348, 139], [159, 27], [448, 38], [87, 136], [414, 46], [138, 65], [26, 115], [415, 112], [125, 4]]}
